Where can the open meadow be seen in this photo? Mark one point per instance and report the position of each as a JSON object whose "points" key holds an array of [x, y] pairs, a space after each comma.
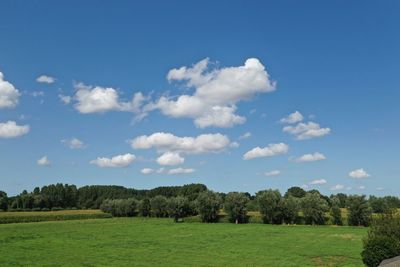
{"points": [[161, 242]]}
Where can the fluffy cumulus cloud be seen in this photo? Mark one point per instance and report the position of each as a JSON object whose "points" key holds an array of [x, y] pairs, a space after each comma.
{"points": [[272, 173], [268, 151], [114, 162], [45, 79], [308, 130], [146, 170], [170, 159], [337, 187], [11, 129], [167, 142], [9, 95], [216, 92], [181, 171], [43, 161], [292, 118], [318, 181], [310, 157], [359, 174], [74, 143], [97, 99]]}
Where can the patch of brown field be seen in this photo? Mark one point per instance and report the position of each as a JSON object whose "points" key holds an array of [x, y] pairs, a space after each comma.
{"points": [[347, 236], [329, 261]]}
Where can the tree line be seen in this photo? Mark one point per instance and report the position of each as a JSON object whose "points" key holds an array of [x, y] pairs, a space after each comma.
{"points": [[296, 206]]}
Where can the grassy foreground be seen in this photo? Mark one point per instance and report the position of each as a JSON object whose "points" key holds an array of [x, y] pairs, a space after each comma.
{"points": [[160, 242]]}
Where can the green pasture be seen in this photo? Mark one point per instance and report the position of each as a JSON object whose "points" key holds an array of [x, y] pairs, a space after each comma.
{"points": [[161, 242]]}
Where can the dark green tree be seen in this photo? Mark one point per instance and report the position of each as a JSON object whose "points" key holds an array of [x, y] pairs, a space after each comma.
{"points": [[295, 191], [235, 206], [290, 209], [269, 202], [336, 212], [145, 207], [178, 208], [314, 208], [159, 206], [208, 206], [359, 211]]}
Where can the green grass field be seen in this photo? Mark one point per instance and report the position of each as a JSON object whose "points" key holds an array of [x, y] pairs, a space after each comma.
{"points": [[160, 242]]}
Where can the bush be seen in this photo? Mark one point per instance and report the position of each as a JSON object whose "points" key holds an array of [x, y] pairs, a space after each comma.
{"points": [[359, 211], [269, 203], [56, 208], [383, 240], [208, 206], [235, 207]]}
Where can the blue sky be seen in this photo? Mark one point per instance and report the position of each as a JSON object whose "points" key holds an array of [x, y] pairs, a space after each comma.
{"points": [[247, 66]]}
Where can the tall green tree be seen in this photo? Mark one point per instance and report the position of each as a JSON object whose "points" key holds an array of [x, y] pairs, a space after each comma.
{"points": [[178, 208], [208, 206], [290, 209], [359, 211], [159, 206], [269, 202], [235, 207], [314, 208], [3, 201], [336, 212]]}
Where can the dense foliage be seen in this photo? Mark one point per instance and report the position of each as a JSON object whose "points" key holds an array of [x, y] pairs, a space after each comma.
{"points": [[208, 206], [235, 207], [383, 240], [296, 206]]}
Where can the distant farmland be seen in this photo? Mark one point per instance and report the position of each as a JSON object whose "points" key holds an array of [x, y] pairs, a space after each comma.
{"points": [[160, 242]]}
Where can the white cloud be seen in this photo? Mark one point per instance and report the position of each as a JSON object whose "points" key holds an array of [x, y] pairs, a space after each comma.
{"points": [[234, 144], [9, 95], [10, 129], [160, 170], [269, 151], [114, 162], [310, 157], [318, 181], [167, 142], [292, 118], [147, 171], [216, 93], [272, 173], [181, 171], [44, 161], [74, 143], [99, 99], [245, 136], [170, 159], [308, 130], [65, 99], [361, 187], [359, 174], [37, 93], [337, 187], [380, 188], [45, 79]]}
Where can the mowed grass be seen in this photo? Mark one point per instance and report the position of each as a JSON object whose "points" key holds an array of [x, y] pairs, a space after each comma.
{"points": [[161, 242]]}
